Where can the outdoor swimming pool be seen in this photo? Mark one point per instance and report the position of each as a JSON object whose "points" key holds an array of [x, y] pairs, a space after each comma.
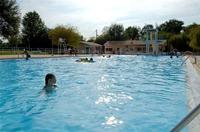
{"points": [[120, 94]]}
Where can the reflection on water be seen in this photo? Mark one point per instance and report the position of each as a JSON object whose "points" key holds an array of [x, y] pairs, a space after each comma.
{"points": [[113, 121], [104, 99], [111, 97]]}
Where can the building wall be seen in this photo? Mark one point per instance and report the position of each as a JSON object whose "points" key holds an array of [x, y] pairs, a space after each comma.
{"points": [[84, 49], [129, 49]]}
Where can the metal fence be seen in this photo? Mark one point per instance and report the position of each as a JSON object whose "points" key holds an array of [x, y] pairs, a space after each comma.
{"points": [[42, 51]]}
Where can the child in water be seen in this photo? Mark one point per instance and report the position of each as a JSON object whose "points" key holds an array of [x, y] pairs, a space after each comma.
{"points": [[50, 82]]}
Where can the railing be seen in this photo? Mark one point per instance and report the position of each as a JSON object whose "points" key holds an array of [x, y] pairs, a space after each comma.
{"points": [[190, 54], [194, 113], [185, 121], [43, 51]]}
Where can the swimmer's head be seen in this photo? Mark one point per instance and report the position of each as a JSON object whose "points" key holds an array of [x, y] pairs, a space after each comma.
{"points": [[50, 79]]}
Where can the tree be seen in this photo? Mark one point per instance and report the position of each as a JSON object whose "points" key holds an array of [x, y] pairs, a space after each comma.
{"points": [[195, 38], [91, 39], [113, 33], [15, 41], [132, 32], [188, 28], [172, 26], [34, 31], [180, 42], [9, 18], [102, 39], [82, 38], [116, 32], [69, 34], [144, 29]]}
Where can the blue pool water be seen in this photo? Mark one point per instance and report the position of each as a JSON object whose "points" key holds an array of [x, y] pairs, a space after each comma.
{"points": [[120, 94]]}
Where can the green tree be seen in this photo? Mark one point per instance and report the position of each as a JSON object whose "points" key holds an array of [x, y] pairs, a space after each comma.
{"points": [[70, 34], [195, 38], [9, 18], [189, 28], [91, 39], [15, 41], [144, 29], [102, 39], [116, 32], [132, 33], [164, 35], [34, 31], [172, 26], [180, 42], [169, 30], [1, 42]]}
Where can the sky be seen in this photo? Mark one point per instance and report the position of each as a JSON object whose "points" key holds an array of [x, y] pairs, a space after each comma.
{"points": [[91, 15]]}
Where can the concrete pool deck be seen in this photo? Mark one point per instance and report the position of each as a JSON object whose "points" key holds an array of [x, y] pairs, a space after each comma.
{"points": [[32, 56], [193, 90], [2, 57]]}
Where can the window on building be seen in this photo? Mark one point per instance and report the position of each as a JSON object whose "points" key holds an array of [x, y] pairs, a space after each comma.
{"points": [[138, 49], [108, 49]]}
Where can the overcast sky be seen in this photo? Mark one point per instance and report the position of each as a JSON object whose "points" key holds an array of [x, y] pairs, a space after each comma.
{"points": [[89, 15]]}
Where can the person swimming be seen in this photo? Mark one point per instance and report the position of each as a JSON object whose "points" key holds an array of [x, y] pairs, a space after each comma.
{"points": [[108, 56], [85, 60], [50, 82], [91, 60]]}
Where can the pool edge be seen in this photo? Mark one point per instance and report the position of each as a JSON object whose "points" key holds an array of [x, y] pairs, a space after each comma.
{"points": [[193, 92]]}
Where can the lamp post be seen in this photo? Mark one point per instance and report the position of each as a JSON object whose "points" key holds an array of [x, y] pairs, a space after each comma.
{"points": [[60, 42], [51, 48]]}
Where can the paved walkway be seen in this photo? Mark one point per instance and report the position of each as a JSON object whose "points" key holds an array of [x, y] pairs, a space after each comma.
{"points": [[198, 61]]}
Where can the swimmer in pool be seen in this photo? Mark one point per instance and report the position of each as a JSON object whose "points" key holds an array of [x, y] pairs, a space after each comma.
{"points": [[91, 60], [50, 82]]}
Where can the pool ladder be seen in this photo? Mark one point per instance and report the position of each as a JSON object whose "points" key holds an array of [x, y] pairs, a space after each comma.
{"points": [[191, 55], [186, 120]]}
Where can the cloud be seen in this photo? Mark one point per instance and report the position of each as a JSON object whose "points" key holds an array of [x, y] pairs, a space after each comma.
{"points": [[89, 15]]}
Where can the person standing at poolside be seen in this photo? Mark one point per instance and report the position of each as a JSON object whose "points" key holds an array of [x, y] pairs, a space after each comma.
{"points": [[50, 82], [27, 54]]}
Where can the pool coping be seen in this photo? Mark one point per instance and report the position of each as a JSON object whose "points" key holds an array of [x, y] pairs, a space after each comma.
{"points": [[193, 91], [11, 57]]}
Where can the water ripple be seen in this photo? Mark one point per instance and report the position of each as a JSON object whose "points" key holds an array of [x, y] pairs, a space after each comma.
{"points": [[122, 93]]}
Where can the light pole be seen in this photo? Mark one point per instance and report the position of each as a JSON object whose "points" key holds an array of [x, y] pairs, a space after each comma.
{"points": [[51, 48]]}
